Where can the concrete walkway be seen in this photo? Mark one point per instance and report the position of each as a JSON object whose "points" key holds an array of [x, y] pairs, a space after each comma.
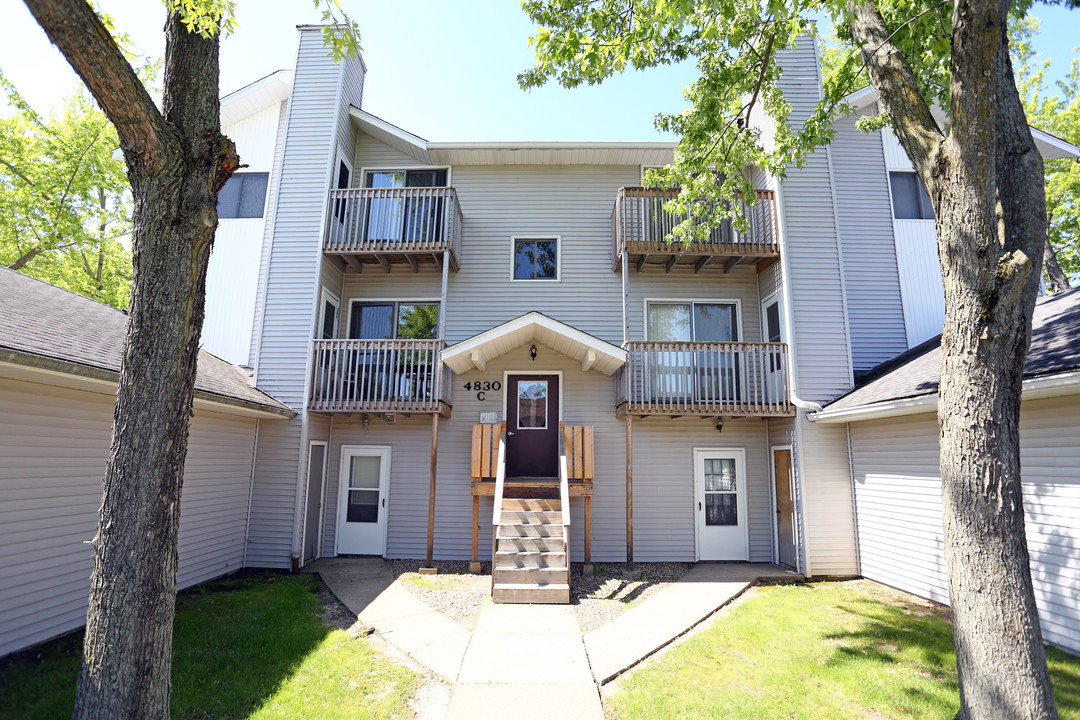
{"points": [[531, 660]]}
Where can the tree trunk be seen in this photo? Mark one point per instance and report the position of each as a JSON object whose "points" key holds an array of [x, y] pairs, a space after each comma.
{"points": [[177, 161], [1059, 281], [990, 258]]}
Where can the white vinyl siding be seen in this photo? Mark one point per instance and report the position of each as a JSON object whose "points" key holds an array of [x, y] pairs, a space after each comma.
{"points": [[920, 279], [898, 491], [55, 443], [875, 309]]}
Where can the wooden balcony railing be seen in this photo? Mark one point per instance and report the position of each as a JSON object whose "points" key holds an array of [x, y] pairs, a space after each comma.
{"points": [[379, 376], [704, 378], [394, 221], [640, 227]]}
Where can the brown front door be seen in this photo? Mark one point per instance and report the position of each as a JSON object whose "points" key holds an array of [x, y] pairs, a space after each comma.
{"points": [[532, 426], [785, 508]]}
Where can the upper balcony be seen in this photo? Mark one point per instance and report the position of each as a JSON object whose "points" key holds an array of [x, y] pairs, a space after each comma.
{"points": [[640, 225], [407, 226]]}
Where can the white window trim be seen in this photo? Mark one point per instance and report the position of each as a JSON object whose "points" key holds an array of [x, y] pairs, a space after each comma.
{"points": [[742, 491], [558, 259], [391, 168], [342, 157], [685, 301], [530, 371], [347, 452], [765, 302], [396, 301], [324, 296]]}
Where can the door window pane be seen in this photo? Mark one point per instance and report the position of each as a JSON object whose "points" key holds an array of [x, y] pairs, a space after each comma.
{"points": [[532, 404], [669, 323], [364, 477], [721, 497], [772, 322], [418, 321], [329, 321], [372, 322], [536, 259]]}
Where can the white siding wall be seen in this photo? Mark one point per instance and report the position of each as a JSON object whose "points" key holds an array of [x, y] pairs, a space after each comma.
{"points": [[54, 443], [318, 125], [875, 310], [898, 490], [920, 279], [813, 266], [233, 276]]}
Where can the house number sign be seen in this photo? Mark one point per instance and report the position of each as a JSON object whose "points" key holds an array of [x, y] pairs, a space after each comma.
{"points": [[481, 388]]}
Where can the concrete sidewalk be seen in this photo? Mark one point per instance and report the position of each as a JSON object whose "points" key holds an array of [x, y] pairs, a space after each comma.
{"points": [[531, 660]]}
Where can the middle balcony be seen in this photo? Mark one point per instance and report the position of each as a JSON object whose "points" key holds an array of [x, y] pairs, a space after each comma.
{"points": [[389, 226]]}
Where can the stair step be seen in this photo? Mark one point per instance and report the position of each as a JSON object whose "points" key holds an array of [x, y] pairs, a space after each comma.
{"points": [[539, 577], [530, 544], [531, 517], [529, 559], [517, 593], [545, 530], [535, 504]]}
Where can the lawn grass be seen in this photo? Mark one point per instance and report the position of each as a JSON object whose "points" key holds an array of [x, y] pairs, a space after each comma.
{"points": [[254, 647], [823, 650]]}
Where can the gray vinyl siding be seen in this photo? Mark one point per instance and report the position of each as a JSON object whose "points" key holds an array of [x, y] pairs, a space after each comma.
{"points": [[318, 125], [819, 333], [268, 234], [55, 443], [371, 153], [683, 284], [898, 491], [771, 280], [875, 309]]}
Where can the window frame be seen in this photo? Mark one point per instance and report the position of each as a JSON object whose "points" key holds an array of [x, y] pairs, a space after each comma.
{"points": [[327, 296], [362, 175], [266, 195], [918, 197], [397, 303], [558, 259], [700, 301]]}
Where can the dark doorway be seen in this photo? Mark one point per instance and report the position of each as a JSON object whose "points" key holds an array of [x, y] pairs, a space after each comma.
{"points": [[532, 426]]}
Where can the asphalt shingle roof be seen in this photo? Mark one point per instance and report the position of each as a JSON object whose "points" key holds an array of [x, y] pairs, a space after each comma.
{"points": [[40, 319], [1055, 348]]}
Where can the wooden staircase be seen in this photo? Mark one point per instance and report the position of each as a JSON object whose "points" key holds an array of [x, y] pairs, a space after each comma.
{"points": [[530, 563]]}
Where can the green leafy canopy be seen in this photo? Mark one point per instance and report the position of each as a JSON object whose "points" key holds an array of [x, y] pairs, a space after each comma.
{"points": [[734, 44]]}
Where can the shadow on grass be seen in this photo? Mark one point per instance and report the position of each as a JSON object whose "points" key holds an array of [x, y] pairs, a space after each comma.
{"points": [[235, 642]]}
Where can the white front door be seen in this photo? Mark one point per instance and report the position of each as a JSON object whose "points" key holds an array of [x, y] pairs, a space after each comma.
{"points": [[365, 476], [720, 482]]}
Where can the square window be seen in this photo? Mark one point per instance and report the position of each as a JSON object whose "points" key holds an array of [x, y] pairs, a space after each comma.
{"points": [[910, 201], [536, 259], [243, 196]]}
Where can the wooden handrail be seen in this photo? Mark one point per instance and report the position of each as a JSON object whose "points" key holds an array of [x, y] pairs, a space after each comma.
{"points": [[641, 225], [394, 220], [379, 375], [705, 378]]}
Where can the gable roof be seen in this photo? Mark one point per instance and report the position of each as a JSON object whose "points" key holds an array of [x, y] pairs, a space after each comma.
{"points": [[914, 375], [46, 327], [255, 96], [592, 352]]}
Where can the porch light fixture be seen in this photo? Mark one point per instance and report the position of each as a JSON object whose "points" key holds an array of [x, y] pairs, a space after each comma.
{"points": [[719, 426], [532, 353]]}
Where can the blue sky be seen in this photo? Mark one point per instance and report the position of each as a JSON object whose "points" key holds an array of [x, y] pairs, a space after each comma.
{"points": [[443, 70]]}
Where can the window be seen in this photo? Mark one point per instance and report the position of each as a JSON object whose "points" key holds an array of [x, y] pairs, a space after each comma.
{"points": [[536, 258], [390, 320], [328, 315], [696, 373], [693, 321], [243, 196], [909, 198], [398, 218]]}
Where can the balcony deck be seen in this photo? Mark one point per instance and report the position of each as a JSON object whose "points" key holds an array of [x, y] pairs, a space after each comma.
{"points": [[382, 376], [714, 379], [385, 227], [640, 226]]}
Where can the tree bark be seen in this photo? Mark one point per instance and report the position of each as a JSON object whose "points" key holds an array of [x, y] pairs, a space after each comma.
{"points": [[1059, 281], [177, 161], [985, 179]]}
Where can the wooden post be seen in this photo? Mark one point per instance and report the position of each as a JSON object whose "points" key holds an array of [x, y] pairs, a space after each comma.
{"points": [[588, 569], [474, 566], [430, 568], [629, 489]]}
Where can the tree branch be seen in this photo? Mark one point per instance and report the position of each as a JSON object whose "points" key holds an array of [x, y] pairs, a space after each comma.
{"points": [[74, 27], [898, 88]]}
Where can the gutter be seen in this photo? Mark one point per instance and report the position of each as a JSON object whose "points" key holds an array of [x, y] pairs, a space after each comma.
{"points": [[62, 373], [1067, 383]]}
